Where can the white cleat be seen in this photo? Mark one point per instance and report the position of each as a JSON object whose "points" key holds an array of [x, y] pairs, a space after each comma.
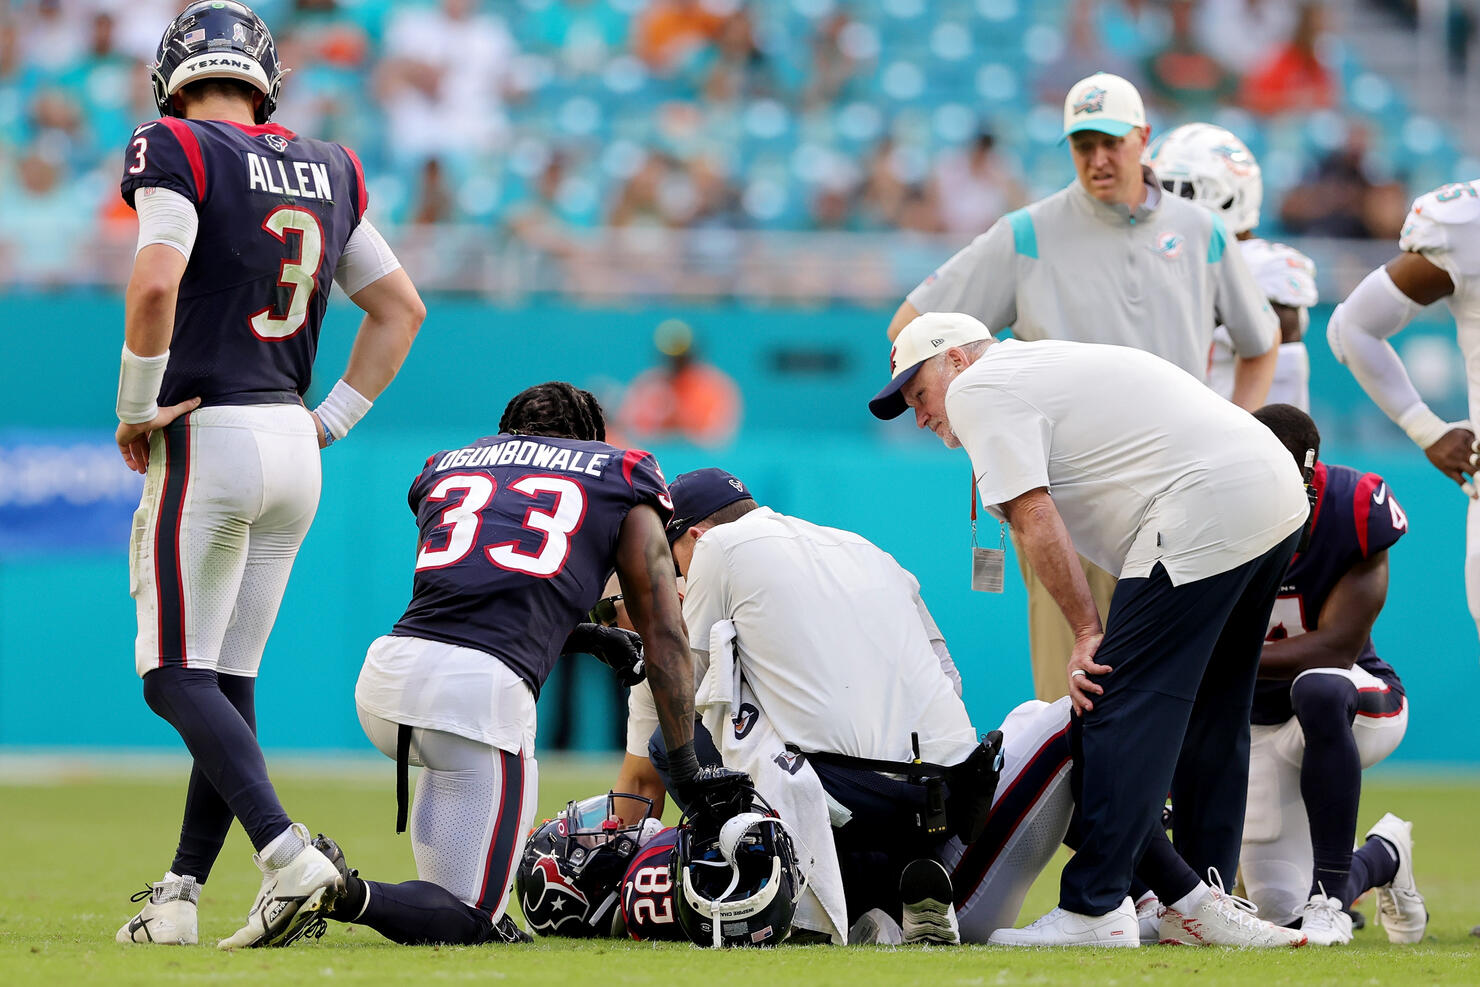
{"points": [[929, 912], [1063, 928], [1324, 922], [1148, 916], [875, 928], [278, 915], [169, 916], [1400, 908], [1222, 919]]}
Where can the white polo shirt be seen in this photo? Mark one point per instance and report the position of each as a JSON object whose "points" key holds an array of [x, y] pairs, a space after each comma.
{"points": [[831, 635], [1143, 462]]}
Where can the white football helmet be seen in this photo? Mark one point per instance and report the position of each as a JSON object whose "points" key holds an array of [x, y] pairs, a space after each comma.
{"points": [[1213, 168]]}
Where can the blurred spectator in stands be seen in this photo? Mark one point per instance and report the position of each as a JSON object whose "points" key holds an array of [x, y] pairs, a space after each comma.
{"points": [[1242, 33], [443, 82], [435, 202], [682, 398], [100, 82], [45, 222], [1134, 28], [882, 197], [840, 50], [1346, 196], [52, 41], [1293, 78], [1182, 75], [658, 194], [583, 34], [670, 34], [54, 119], [1459, 27], [139, 23], [716, 200], [974, 187], [735, 68], [1085, 45], [919, 211]]}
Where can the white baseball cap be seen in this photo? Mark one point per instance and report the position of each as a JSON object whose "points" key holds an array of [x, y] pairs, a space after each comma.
{"points": [[1103, 102], [924, 337]]}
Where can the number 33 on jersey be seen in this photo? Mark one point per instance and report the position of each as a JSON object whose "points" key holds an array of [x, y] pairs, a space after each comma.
{"points": [[275, 211], [517, 536]]}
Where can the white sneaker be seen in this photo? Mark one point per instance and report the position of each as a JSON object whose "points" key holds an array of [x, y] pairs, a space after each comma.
{"points": [[1400, 908], [1222, 919], [1324, 922], [169, 917], [875, 928], [1148, 916], [309, 878], [929, 911], [1063, 928]]}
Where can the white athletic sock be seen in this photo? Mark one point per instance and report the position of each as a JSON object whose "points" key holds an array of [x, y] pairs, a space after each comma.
{"points": [[1188, 903], [281, 851]]}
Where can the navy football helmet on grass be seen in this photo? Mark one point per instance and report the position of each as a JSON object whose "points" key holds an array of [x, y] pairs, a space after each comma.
{"points": [[569, 878], [217, 39]]}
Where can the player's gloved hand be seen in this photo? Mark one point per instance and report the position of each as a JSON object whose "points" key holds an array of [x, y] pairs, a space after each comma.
{"points": [[714, 795], [619, 649]]}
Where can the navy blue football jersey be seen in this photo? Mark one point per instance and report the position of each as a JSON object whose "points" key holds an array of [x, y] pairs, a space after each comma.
{"points": [[647, 891], [518, 537], [275, 213], [1356, 516]]}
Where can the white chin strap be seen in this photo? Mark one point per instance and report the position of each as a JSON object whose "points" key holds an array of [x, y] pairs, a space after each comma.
{"points": [[720, 909]]}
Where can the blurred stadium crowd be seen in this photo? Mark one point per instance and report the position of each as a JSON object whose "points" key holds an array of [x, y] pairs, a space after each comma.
{"points": [[525, 132]]}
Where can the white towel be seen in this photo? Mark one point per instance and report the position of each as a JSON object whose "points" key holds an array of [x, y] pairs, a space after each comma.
{"points": [[747, 741]]}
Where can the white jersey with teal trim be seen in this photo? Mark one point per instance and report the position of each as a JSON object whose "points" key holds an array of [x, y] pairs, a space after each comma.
{"points": [[1444, 226], [1287, 277], [1157, 278]]}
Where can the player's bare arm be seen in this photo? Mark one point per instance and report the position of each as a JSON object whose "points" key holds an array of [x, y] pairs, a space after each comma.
{"points": [[149, 323], [394, 312], [645, 570], [1344, 626], [903, 316], [637, 776], [1039, 533], [1252, 377], [1420, 278], [1289, 316]]}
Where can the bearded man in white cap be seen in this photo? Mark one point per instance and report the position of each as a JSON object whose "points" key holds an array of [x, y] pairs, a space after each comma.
{"points": [[1110, 258]]}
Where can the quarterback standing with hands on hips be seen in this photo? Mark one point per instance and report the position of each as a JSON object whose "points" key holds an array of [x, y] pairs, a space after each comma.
{"points": [[242, 226]]}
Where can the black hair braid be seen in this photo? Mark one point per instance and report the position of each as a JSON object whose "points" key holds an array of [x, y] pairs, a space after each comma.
{"points": [[555, 409]]}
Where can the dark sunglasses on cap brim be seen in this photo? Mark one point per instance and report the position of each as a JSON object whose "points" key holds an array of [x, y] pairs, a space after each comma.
{"points": [[605, 611]]}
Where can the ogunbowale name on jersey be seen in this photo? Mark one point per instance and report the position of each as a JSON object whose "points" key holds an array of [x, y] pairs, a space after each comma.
{"points": [[275, 212], [546, 512], [1356, 516]]}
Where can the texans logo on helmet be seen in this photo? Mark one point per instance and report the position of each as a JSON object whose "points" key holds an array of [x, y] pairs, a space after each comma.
{"points": [[546, 879]]}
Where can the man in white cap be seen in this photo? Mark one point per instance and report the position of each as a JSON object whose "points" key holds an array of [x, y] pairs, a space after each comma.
{"points": [[1119, 455], [1110, 258]]}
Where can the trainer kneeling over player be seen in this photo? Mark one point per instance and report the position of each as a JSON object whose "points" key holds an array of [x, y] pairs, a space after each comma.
{"points": [[1120, 456]]}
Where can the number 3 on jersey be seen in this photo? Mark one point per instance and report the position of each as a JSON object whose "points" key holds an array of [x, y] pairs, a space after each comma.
{"points": [[464, 518], [297, 274]]}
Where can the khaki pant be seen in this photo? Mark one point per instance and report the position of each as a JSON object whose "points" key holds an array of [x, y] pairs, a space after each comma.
{"points": [[1049, 636]]}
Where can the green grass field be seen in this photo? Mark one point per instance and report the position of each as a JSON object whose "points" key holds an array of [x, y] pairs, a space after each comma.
{"points": [[77, 843]]}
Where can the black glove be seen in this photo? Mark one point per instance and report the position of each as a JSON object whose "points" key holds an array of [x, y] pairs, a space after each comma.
{"points": [[713, 796], [619, 649]]}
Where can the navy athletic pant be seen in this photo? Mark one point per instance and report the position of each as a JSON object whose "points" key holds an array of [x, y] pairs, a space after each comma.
{"points": [[1174, 716]]}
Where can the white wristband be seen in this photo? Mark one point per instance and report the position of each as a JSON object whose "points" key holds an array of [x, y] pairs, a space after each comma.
{"points": [[1423, 426], [341, 409], [139, 379]]}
